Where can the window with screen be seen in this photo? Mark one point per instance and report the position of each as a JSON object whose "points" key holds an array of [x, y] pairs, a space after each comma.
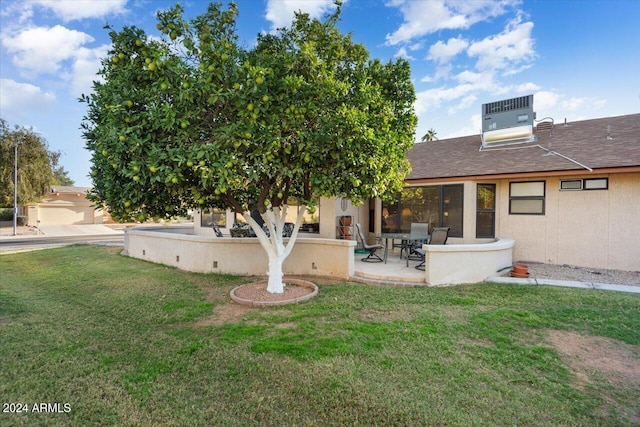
{"points": [[526, 198]]}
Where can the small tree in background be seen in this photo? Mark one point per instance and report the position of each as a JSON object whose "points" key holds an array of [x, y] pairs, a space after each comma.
{"points": [[193, 120], [38, 167], [429, 136]]}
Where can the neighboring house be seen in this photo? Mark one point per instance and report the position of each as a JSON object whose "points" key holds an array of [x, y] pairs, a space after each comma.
{"points": [[64, 205], [567, 193]]}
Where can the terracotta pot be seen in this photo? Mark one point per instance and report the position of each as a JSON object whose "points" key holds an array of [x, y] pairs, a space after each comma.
{"points": [[519, 275], [521, 269], [345, 221]]}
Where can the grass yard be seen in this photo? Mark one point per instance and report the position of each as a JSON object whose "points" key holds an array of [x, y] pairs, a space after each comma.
{"points": [[108, 340]]}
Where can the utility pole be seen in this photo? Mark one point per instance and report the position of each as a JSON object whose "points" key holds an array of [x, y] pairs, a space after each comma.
{"points": [[15, 187]]}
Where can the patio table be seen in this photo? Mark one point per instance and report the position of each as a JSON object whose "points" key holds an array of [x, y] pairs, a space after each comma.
{"points": [[405, 238]]}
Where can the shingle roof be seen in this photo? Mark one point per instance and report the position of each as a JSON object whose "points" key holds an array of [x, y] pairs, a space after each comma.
{"points": [[611, 142], [69, 189]]}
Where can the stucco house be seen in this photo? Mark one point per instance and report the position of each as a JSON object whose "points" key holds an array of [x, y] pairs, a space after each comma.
{"points": [[566, 192], [64, 205]]}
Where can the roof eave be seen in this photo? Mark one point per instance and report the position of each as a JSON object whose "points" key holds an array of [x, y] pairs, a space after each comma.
{"points": [[537, 174]]}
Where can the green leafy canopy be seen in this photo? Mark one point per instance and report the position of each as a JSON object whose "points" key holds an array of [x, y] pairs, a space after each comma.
{"points": [[194, 120], [38, 167]]}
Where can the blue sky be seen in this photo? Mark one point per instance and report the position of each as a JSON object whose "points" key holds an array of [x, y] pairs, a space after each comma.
{"points": [[580, 59]]}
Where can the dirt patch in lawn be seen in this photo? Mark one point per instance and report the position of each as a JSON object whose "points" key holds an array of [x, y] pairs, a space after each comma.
{"points": [[596, 359], [620, 362], [229, 312]]}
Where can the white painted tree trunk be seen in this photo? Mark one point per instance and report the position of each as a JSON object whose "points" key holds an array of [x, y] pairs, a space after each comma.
{"points": [[273, 244]]}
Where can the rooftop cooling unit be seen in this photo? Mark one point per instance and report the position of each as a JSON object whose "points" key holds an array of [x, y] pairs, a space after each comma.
{"points": [[508, 122]]}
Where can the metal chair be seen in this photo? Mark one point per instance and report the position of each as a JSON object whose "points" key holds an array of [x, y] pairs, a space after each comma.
{"points": [[417, 228], [372, 257], [439, 236]]}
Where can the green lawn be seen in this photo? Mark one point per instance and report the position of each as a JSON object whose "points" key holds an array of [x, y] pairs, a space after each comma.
{"points": [[124, 342]]}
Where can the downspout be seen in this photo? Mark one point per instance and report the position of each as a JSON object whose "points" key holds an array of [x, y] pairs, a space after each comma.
{"points": [[567, 158]]}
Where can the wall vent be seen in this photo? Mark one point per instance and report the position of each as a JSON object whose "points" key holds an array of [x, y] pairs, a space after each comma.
{"points": [[508, 121]]}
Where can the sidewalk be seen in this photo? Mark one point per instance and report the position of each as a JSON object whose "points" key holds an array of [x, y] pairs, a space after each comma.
{"points": [[7, 230], [565, 283], [395, 273], [59, 231]]}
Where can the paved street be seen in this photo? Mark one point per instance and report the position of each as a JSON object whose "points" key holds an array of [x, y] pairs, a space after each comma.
{"points": [[53, 236], [40, 242]]}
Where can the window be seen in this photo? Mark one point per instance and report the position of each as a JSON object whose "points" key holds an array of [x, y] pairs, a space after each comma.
{"points": [[486, 211], [585, 184], [574, 184], [526, 198], [438, 205], [595, 184], [217, 216]]}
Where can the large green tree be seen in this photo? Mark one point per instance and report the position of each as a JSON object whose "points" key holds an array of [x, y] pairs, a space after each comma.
{"points": [[193, 120], [38, 166]]}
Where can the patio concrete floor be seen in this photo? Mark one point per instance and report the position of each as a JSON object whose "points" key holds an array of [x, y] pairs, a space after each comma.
{"points": [[394, 272]]}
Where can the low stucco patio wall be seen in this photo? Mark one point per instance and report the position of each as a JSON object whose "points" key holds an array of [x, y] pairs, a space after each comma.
{"points": [[242, 256], [468, 263]]}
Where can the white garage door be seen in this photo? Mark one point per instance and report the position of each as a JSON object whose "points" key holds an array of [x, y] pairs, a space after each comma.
{"points": [[51, 215]]}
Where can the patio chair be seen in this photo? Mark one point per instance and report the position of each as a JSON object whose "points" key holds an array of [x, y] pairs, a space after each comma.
{"points": [[216, 230], [240, 230], [372, 257], [421, 229], [287, 230], [439, 236]]}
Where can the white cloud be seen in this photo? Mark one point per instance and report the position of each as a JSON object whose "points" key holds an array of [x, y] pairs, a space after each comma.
{"points": [[42, 49], [472, 77], [70, 10], [17, 99], [582, 103], [442, 52], [573, 103], [403, 53], [281, 12], [545, 100], [426, 17], [84, 69], [511, 47], [527, 87], [474, 127], [15, 14], [443, 71], [465, 103], [433, 98]]}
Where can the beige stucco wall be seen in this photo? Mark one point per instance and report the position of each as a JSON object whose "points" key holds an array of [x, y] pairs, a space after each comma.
{"points": [[445, 264], [309, 257], [64, 209], [466, 263], [590, 228]]}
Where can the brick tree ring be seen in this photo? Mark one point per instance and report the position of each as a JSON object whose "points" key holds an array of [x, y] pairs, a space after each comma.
{"points": [[256, 295]]}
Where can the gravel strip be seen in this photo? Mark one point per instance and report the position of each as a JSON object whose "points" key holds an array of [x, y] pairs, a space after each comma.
{"points": [[583, 274]]}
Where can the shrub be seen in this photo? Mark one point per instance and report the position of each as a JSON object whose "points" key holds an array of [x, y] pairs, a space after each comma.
{"points": [[6, 214]]}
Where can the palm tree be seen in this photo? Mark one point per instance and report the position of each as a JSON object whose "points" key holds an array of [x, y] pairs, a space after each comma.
{"points": [[429, 136]]}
